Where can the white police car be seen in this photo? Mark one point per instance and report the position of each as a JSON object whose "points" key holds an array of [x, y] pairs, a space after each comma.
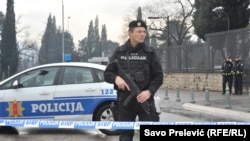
{"points": [[59, 91]]}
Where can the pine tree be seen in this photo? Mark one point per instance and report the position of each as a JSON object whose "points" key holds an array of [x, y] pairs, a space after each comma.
{"points": [[1, 22], [206, 21], [48, 42], [103, 41], [51, 48], [139, 17], [1, 27], [97, 47], [9, 58], [69, 45], [83, 49], [90, 40]]}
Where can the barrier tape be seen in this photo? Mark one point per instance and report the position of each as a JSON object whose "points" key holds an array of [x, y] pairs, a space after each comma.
{"points": [[100, 124]]}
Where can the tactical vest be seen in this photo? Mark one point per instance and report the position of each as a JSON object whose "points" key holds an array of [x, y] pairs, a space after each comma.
{"points": [[137, 64], [227, 68], [238, 68]]}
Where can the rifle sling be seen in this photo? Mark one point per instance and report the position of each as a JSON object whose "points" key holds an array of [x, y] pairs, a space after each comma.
{"points": [[125, 103], [129, 68]]}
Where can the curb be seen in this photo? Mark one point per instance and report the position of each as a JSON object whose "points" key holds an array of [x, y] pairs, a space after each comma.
{"points": [[226, 112]]}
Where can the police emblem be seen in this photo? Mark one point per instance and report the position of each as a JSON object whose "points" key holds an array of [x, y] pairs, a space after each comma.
{"points": [[15, 109], [138, 23]]}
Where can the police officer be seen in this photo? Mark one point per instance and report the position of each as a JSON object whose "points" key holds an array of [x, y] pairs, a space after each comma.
{"points": [[238, 70], [227, 74], [143, 65]]}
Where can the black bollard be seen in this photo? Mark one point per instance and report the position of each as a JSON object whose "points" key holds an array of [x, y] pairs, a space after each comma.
{"points": [[166, 93], [207, 96], [249, 100], [228, 105], [192, 95], [178, 94]]}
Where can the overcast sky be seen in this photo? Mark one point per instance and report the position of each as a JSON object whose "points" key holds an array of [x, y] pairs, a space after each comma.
{"points": [[34, 13]]}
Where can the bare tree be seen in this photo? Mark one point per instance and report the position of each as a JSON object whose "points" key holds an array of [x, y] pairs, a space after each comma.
{"points": [[20, 29], [28, 53], [124, 35], [28, 49], [172, 17]]}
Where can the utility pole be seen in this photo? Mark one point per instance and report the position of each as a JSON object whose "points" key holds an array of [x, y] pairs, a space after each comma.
{"points": [[68, 22], [62, 32]]}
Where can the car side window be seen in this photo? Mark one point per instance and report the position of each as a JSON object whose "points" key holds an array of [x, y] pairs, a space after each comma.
{"points": [[7, 85], [39, 77], [100, 75], [77, 75]]}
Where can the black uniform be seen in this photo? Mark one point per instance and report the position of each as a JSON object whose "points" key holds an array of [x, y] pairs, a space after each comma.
{"points": [[238, 70], [144, 66], [227, 74]]}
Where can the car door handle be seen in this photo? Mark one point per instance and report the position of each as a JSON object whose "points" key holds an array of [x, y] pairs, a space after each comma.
{"points": [[90, 90], [44, 93]]}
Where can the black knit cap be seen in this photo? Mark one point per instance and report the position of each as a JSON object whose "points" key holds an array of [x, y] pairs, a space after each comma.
{"points": [[137, 23]]}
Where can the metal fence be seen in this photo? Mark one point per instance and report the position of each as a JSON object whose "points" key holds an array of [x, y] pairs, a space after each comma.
{"points": [[207, 57], [184, 58], [232, 43]]}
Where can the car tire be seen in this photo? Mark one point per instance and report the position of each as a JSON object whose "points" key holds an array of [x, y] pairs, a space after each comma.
{"points": [[8, 130], [104, 113]]}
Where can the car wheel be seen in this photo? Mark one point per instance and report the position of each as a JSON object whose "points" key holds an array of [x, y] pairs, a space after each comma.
{"points": [[104, 113], [8, 130]]}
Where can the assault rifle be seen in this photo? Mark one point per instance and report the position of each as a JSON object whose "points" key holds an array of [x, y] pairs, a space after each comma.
{"points": [[134, 89]]}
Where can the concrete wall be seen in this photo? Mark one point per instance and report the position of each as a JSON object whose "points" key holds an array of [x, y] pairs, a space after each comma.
{"points": [[196, 80]]}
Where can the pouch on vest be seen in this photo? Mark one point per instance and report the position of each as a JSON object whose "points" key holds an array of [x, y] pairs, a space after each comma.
{"points": [[139, 76]]}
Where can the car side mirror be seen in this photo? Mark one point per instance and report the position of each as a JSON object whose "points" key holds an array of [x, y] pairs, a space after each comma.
{"points": [[16, 84]]}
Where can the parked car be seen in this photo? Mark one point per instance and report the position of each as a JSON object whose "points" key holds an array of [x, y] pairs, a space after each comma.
{"points": [[59, 91]]}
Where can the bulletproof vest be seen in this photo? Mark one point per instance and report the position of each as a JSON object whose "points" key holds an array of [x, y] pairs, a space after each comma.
{"points": [[238, 66], [137, 64], [227, 67]]}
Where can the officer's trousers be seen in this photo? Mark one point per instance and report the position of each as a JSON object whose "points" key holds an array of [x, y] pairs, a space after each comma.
{"points": [[238, 84], [130, 113], [227, 79]]}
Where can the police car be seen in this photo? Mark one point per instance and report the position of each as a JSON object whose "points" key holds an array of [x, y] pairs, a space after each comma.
{"points": [[59, 91]]}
